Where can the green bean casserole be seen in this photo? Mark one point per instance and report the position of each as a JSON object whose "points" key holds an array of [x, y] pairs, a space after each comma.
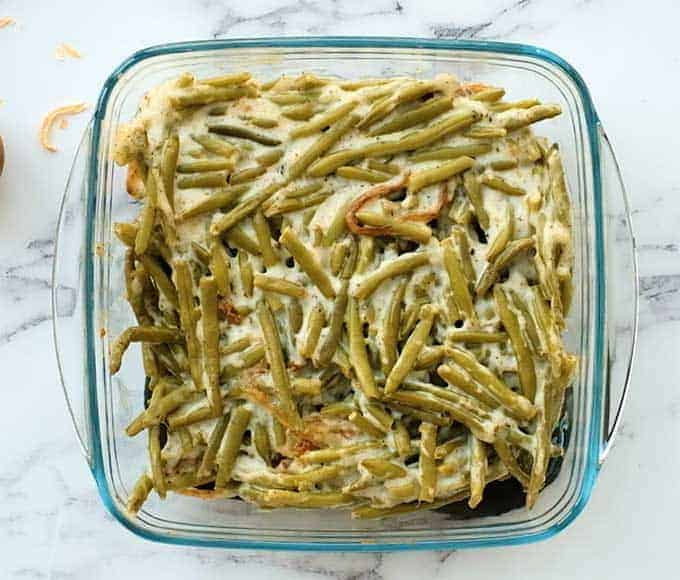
{"points": [[347, 293]]}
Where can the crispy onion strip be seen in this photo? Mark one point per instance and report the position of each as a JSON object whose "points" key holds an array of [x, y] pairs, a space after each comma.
{"points": [[52, 117]]}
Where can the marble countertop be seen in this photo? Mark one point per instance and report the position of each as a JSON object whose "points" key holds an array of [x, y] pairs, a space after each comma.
{"points": [[52, 523]]}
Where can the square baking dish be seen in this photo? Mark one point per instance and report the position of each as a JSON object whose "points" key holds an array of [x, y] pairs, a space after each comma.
{"points": [[89, 306]]}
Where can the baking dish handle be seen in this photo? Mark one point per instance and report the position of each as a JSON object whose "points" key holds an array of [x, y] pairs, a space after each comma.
{"points": [[68, 294], [621, 290]]}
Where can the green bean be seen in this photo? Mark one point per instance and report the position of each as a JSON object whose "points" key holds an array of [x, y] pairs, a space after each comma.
{"points": [[330, 344], [279, 285], [237, 238], [392, 269], [160, 278], [504, 235], [206, 179], [489, 95], [169, 403], [303, 190], [140, 422], [476, 336], [457, 280], [323, 120], [288, 205], [243, 209], [422, 114], [427, 470], [307, 262], [289, 98], [530, 325], [450, 447], [478, 469], [482, 131], [212, 202], [247, 175], [177, 420], [330, 454], [215, 145], [126, 233], [306, 387], [240, 132], [338, 225], [505, 106], [273, 498], [315, 322], [205, 95], [292, 481], [264, 122], [322, 144], [399, 228], [364, 425], [379, 147], [156, 461], [337, 257], [205, 165], [478, 421], [248, 359], [517, 404], [148, 215], [493, 270], [169, 155], [390, 330], [350, 263], [269, 157], [227, 80], [555, 401], [220, 266], [139, 334], [503, 164], [366, 254], [446, 153], [499, 184], [245, 270], [525, 362], [261, 442], [140, 492], [409, 354], [337, 410], [300, 112], [472, 187], [505, 454], [391, 168], [357, 352], [264, 240], [211, 339], [402, 440], [361, 174], [384, 107], [236, 346], [201, 254], [425, 177], [276, 361], [231, 445], [525, 117], [279, 433], [185, 293]]}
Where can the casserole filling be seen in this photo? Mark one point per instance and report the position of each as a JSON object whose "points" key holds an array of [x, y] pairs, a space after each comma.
{"points": [[347, 293]]}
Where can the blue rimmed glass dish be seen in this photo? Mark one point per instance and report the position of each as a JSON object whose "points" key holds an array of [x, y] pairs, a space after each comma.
{"points": [[89, 305]]}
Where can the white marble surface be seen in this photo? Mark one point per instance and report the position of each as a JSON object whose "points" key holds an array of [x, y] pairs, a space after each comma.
{"points": [[52, 524]]}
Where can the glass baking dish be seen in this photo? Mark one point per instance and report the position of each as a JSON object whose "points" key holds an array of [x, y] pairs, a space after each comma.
{"points": [[89, 307]]}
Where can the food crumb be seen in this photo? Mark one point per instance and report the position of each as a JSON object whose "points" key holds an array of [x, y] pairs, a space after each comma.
{"points": [[7, 21], [51, 118], [99, 250], [65, 50], [102, 332]]}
